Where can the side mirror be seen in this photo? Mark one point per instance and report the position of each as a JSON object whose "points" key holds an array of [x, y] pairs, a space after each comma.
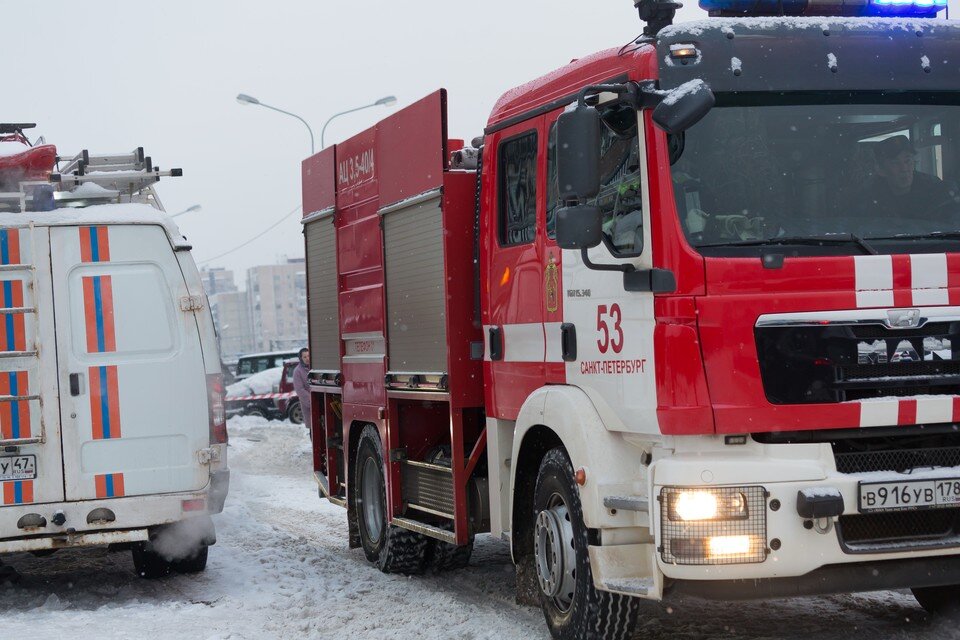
{"points": [[684, 107], [579, 226], [578, 153]]}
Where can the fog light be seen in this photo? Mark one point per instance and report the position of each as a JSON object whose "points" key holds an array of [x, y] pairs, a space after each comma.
{"points": [[728, 545]]}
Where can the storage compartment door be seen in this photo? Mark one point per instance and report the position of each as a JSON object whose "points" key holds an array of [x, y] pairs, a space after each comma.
{"points": [[416, 289]]}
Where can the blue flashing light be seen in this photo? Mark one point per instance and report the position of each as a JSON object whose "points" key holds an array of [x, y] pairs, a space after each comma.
{"points": [[893, 8]]}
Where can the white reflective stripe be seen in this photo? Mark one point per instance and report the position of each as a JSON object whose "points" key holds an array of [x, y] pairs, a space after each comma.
{"points": [[551, 330], [879, 413], [928, 271], [934, 409], [873, 278], [523, 342], [926, 297], [928, 278]]}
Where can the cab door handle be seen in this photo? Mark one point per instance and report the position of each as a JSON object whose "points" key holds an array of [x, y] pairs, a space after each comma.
{"points": [[496, 343], [76, 382], [568, 342]]}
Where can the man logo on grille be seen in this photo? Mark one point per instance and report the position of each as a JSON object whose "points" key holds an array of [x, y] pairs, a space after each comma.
{"points": [[903, 318]]}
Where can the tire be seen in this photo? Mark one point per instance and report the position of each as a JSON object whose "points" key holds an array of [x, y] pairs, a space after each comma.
{"points": [[149, 564], [390, 548], [295, 412], [254, 411], [450, 557], [192, 564], [939, 600], [572, 606]]}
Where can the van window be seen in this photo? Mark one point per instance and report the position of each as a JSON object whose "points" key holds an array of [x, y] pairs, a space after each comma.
{"points": [[518, 190]]}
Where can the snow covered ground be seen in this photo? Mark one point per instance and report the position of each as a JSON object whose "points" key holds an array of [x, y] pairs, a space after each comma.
{"points": [[281, 569]]}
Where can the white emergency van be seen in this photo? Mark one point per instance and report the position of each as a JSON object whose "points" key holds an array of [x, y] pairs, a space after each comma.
{"points": [[112, 427]]}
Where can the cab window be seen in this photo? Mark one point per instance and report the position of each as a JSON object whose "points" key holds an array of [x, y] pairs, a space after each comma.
{"points": [[621, 196], [517, 160]]}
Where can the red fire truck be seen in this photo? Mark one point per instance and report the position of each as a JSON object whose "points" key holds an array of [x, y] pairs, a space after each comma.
{"points": [[649, 328]]}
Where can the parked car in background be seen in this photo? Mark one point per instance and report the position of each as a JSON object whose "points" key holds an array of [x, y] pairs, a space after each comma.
{"points": [[252, 363], [287, 403], [268, 394]]}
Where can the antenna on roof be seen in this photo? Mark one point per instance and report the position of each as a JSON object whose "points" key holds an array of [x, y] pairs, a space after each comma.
{"points": [[657, 14]]}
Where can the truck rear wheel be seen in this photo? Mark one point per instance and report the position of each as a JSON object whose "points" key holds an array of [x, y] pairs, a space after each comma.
{"points": [[939, 600], [572, 606], [392, 549]]}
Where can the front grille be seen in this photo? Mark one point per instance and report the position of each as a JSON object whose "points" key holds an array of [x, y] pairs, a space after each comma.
{"points": [[868, 532], [879, 331], [843, 362], [899, 460], [899, 370]]}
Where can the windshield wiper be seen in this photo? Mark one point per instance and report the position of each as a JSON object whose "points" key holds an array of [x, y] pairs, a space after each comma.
{"points": [[933, 235], [802, 240]]}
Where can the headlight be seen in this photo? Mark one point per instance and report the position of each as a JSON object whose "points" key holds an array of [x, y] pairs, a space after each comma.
{"points": [[690, 505], [724, 525]]}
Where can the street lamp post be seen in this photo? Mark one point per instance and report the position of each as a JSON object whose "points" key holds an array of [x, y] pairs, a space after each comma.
{"points": [[386, 102], [244, 99], [195, 207]]}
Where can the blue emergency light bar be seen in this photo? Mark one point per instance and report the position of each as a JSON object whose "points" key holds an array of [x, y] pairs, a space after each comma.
{"points": [[893, 8]]}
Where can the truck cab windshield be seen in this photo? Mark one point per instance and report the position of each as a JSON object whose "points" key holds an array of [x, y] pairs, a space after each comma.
{"points": [[824, 177]]}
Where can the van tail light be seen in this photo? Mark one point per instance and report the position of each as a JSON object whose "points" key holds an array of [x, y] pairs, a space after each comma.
{"points": [[218, 413]]}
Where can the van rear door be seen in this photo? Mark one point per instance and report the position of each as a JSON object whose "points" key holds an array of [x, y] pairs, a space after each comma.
{"points": [[31, 469], [133, 387]]}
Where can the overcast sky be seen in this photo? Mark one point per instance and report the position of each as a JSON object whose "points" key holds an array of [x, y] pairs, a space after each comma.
{"points": [[114, 75]]}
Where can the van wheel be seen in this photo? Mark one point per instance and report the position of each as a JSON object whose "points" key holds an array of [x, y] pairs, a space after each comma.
{"points": [[191, 564], [295, 412], [392, 549], [573, 607], [148, 563], [939, 600]]}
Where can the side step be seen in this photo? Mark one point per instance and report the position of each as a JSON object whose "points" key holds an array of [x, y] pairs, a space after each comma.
{"points": [[428, 530]]}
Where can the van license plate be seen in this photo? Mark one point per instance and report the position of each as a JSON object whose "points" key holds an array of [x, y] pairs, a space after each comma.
{"points": [[910, 494], [18, 468]]}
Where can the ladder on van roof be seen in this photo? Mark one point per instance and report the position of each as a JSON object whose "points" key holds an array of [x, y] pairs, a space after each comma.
{"points": [[112, 178], [19, 352]]}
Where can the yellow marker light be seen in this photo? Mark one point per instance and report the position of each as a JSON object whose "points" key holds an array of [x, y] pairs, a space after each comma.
{"points": [[506, 276], [696, 505], [729, 545]]}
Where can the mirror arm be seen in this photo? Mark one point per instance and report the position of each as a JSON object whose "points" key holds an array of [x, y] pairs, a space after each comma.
{"points": [[655, 280], [628, 89], [589, 264]]}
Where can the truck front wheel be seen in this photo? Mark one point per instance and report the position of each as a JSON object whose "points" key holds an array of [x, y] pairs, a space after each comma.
{"points": [[573, 607], [392, 549]]}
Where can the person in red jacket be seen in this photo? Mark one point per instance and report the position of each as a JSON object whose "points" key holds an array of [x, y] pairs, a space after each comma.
{"points": [[302, 386]]}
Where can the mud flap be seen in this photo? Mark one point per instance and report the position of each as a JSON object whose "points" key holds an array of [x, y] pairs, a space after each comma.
{"points": [[528, 591], [629, 569]]}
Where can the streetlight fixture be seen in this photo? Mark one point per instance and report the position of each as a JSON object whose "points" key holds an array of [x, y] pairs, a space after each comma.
{"points": [[195, 207], [386, 101], [244, 99]]}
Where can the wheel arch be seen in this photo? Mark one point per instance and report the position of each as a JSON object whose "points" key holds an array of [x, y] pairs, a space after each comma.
{"points": [[564, 416]]}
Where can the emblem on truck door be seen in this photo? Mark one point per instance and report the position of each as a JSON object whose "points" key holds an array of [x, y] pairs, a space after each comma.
{"points": [[903, 318], [552, 285]]}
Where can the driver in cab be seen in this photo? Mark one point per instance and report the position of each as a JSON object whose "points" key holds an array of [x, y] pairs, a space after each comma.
{"points": [[898, 189]]}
